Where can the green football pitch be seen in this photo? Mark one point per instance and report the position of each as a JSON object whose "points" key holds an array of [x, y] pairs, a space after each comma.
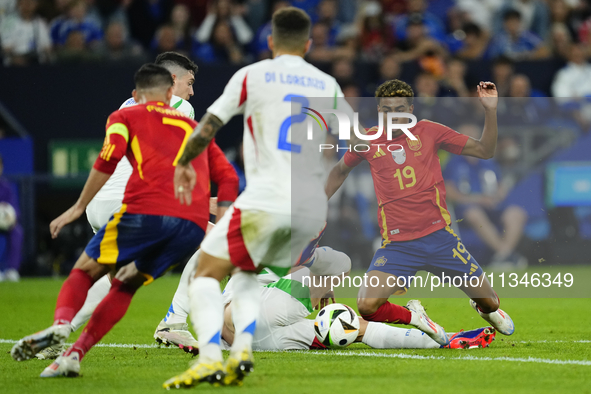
{"points": [[549, 352]]}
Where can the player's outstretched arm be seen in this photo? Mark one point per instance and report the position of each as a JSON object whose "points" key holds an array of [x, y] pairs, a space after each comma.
{"points": [[486, 146], [336, 177], [184, 174], [94, 183]]}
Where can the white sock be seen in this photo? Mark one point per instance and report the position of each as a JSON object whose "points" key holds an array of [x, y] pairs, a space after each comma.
{"points": [[207, 316], [327, 261], [96, 293], [383, 336], [246, 305], [179, 308]]}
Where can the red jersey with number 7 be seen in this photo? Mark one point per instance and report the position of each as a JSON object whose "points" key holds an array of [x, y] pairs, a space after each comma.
{"points": [[407, 179], [153, 137]]}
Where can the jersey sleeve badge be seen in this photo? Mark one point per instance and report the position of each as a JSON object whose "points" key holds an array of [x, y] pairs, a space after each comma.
{"points": [[399, 155]]}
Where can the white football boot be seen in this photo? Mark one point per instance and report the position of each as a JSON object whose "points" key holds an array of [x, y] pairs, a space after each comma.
{"points": [[29, 346], [177, 334], [499, 319], [420, 320], [67, 366]]}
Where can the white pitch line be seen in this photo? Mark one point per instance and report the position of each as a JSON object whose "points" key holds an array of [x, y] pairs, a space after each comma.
{"points": [[108, 345], [127, 345], [385, 355], [461, 358], [545, 341]]}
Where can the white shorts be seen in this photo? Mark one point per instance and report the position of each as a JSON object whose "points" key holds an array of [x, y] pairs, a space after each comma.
{"points": [[282, 324], [98, 212], [253, 238]]}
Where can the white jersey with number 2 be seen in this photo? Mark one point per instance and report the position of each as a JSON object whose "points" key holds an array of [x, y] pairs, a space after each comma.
{"points": [[279, 164]]}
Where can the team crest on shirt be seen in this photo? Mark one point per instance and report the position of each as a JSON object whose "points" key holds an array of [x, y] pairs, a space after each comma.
{"points": [[399, 156], [380, 262], [414, 145]]}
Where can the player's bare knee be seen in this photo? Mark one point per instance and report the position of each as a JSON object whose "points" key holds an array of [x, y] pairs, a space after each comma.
{"points": [[488, 305], [130, 275], [213, 267], [368, 306], [211, 271], [91, 266]]}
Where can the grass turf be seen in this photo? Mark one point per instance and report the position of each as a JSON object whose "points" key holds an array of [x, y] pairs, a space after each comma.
{"points": [[547, 329]]}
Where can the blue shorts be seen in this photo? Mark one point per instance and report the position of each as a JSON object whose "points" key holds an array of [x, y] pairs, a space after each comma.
{"points": [[439, 252], [155, 243]]}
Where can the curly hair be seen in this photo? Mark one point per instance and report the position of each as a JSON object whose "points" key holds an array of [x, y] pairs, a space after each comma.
{"points": [[395, 88]]}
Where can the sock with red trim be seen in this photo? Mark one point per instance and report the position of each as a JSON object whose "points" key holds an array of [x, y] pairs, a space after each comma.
{"points": [[207, 315], [72, 296], [246, 305], [111, 309], [390, 313], [317, 345]]}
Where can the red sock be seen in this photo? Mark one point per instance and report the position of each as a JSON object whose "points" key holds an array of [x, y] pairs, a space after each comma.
{"points": [[317, 345], [390, 313], [111, 309], [72, 296]]}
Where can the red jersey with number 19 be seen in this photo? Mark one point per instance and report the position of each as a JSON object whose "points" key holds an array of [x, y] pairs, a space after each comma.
{"points": [[407, 179], [152, 136]]}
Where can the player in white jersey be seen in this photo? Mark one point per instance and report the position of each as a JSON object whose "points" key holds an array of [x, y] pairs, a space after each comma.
{"points": [[267, 226], [108, 199], [287, 302], [173, 329]]}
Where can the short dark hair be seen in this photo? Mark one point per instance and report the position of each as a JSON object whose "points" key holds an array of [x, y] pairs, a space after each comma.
{"points": [[174, 59], [291, 28], [151, 76], [511, 14], [395, 88]]}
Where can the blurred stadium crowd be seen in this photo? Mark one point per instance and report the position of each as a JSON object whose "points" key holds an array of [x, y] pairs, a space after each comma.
{"points": [[535, 51], [235, 31]]}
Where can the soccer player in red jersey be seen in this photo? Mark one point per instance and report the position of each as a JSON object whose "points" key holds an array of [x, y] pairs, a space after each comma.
{"points": [[412, 212], [152, 230]]}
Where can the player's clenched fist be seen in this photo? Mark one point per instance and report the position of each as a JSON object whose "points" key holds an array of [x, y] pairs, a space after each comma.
{"points": [[489, 97]]}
